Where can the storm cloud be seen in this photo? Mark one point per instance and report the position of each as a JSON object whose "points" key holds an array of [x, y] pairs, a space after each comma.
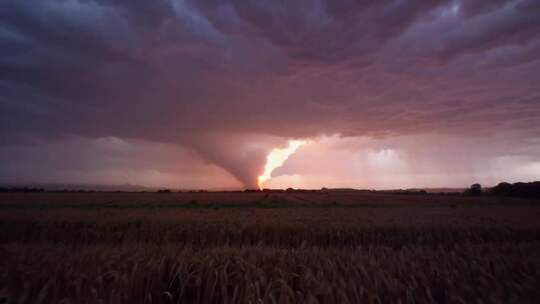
{"points": [[229, 80]]}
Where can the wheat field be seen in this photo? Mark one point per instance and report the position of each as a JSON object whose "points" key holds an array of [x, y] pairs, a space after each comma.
{"points": [[261, 248]]}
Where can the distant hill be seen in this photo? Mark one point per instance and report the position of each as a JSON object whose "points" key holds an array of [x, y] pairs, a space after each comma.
{"points": [[101, 187], [84, 187]]}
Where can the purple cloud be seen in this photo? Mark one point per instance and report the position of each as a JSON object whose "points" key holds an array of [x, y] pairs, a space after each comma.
{"points": [[232, 79]]}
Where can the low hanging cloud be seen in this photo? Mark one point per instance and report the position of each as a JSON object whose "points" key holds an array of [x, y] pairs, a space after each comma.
{"points": [[230, 80], [110, 160]]}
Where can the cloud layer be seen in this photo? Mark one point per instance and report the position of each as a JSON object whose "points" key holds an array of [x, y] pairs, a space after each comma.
{"points": [[229, 80]]}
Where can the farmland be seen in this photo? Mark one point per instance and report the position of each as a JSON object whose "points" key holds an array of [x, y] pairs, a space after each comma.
{"points": [[312, 247]]}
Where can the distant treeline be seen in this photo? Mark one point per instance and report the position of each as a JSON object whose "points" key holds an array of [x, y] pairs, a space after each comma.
{"points": [[525, 190], [21, 189]]}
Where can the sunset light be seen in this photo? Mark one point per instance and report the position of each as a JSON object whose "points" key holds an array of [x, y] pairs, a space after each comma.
{"points": [[276, 158]]}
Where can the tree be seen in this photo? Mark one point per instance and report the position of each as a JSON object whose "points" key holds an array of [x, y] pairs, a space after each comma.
{"points": [[474, 189]]}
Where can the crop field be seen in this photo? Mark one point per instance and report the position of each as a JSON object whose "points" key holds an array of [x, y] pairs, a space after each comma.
{"points": [[298, 247]]}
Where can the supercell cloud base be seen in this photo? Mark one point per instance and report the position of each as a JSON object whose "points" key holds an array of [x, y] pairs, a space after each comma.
{"points": [[195, 94]]}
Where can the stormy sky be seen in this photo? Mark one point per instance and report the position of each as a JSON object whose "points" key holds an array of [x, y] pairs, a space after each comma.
{"points": [[195, 94]]}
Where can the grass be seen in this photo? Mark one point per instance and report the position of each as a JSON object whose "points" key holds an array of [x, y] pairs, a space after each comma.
{"points": [[175, 274]]}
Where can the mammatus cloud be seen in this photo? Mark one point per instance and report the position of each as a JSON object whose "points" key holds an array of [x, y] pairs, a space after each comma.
{"points": [[230, 80]]}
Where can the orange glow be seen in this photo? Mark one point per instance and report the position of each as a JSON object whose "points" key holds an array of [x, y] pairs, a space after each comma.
{"points": [[276, 158]]}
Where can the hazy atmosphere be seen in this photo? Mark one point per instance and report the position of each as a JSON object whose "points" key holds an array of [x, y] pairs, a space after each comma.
{"points": [[269, 151], [195, 94]]}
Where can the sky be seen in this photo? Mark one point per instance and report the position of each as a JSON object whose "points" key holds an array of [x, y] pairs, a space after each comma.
{"points": [[196, 94]]}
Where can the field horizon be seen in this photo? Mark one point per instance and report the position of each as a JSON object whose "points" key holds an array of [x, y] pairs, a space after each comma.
{"points": [[268, 247], [127, 187]]}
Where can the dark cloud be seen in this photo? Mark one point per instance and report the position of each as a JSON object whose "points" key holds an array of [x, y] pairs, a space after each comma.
{"points": [[109, 160], [513, 24], [217, 76]]}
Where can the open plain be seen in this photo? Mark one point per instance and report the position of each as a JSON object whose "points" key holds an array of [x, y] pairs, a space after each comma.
{"points": [[268, 247]]}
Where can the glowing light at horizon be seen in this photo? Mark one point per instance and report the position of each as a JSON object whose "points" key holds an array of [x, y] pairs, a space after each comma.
{"points": [[276, 158]]}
